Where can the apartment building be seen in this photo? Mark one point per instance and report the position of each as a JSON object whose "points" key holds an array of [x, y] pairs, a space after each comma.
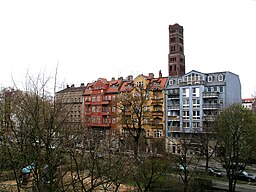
{"points": [[144, 111], [72, 100], [248, 103], [194, 99], [100, 112]]}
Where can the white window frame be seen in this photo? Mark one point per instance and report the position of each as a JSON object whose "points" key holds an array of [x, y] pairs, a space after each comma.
{"points": [[210, 78], [220, 77]]}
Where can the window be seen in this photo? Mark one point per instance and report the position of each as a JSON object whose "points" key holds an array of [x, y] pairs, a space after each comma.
{"points": [[147, 108], [98, 120], [147, 95], [155, 95], [195, 92], [196, 124], [93, 98], [113, 109], [196, 103], [185, 92], [172, 48], [196, 114], [105, 120], [158, 134], [148, 133], [170, 82], [220, 77], [185, 103], [185, 115], [210, 78], [98, 109], [139, 84], [185, 124], [221, 89], [157, 108], [98, 98], [146, 120], [93, 109], [105, 109]]}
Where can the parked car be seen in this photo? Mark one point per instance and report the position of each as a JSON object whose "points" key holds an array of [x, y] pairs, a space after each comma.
{"points": [[215, 172], [179, 167], [244, 176]]}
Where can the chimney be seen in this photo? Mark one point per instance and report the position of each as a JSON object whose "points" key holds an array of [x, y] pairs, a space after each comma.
{"points": [[67, 86], [120, 78], [82, 85], [151, 75], [73, 85], [113, 79], [130, 78], [160, 74]]}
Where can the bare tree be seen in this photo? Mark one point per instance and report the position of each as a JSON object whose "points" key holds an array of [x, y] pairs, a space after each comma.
{"points": [[35, 121], [188, 158], [93, 166], [132, 114], [235, 136]]}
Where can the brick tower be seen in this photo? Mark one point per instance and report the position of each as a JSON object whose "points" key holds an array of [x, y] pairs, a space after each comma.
{"points": [[176, 57]]}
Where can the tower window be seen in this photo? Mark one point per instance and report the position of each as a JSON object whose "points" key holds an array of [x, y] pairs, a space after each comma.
{"points": [[172, 39]]}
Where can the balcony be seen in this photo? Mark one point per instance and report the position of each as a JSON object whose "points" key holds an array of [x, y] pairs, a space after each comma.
{"points": [[210, 94], [105, 102], [174, 128], [100, 124], [157, 126], [174, 107], [209, 118], [174, 96], [157, 101], [191, 82], [157, 113], [210, 106], [173, 118], [105, 112]]}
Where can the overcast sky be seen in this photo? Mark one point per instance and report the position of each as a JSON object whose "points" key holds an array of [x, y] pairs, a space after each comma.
{"points": [[88, 39]]}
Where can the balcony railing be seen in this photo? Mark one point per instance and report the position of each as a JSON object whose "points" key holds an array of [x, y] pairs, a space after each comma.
{"points": [[210, 106], [174, 128], [105, 112], [210, 94], [174, 106], [157, 101], [191, 82], [157, 113], [209, 118], [157, 126], [173, 118]]}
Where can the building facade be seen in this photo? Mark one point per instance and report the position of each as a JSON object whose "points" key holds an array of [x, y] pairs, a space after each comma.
{"points": [[193, 101], [248, 103], [72, 100], [99, 109]]}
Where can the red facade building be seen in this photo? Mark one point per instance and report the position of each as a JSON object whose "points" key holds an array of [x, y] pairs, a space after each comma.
{"points": [[99, 108]]}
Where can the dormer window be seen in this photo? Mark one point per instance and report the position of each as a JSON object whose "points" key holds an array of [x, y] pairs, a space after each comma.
{"points": [[210, 78], [220, 77]]}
